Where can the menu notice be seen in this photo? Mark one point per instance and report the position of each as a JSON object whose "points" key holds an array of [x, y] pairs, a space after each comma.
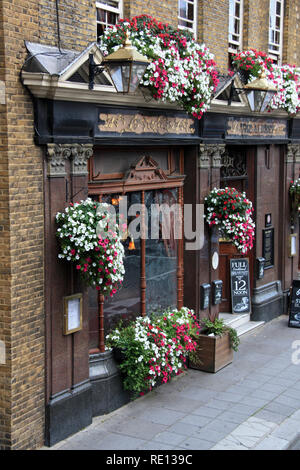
{"points": [[240, 285]]}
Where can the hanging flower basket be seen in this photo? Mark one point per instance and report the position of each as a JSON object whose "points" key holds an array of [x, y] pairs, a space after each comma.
{"points": [[230, 211], [91, 240], [285, 77], [180, 71]]}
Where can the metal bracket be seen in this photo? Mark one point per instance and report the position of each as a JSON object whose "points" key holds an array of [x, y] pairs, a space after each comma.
{"points": [[94, 69]]}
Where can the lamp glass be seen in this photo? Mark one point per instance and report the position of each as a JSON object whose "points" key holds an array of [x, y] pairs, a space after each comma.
{"points": [[115, 71], [259, 99], [268, 97], [137, 72], [126, 77]]}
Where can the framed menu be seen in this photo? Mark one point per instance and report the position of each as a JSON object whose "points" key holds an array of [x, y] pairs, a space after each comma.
{"points": [[72, 313]]}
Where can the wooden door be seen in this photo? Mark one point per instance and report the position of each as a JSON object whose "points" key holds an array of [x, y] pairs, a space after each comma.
{"points": [[237, 172]]}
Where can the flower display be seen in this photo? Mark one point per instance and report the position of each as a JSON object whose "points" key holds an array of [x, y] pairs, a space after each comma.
{"points": [[180, 70], [252, 61], [92, 241], [294, 192], [231, 212], [155, 349], [287, 80], [295, 187], [285, 77]]}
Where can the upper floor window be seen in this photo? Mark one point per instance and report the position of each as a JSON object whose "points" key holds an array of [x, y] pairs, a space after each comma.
{"points": [[276, 29], [235, 26], [108, 13], [187, 15]]}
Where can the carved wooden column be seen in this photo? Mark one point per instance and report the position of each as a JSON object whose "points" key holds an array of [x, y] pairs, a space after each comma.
{"points": [[291, 171], [143, 257], [209, 164], [67, 368], [217, 152], [180, 242]]}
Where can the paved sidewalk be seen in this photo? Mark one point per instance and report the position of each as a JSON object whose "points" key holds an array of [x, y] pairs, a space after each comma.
{"points": [[251, 404]]}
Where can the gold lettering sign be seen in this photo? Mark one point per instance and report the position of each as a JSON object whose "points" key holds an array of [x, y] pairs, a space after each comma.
{"points": [[139, 124], [259, 128]]}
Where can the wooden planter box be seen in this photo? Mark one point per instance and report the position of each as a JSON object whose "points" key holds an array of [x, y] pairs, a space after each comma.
{"points": [[213, 353]]}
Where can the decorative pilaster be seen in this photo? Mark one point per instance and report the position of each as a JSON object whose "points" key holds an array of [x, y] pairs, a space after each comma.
{"points": [[80, 154], [204, 157], [57, 154], [210, 155], [293, 153]]}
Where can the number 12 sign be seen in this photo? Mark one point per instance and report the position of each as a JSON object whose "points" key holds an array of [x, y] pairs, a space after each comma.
{"points": [[240, 285]]}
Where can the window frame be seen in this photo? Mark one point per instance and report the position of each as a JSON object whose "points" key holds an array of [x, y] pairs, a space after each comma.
{"points": [[194, 22], [108, 8], [276, 55], [232, 43]]}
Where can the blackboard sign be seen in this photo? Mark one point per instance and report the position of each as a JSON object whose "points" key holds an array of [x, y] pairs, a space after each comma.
{"points": [[294, 314], [240, 285], [268, 247]]}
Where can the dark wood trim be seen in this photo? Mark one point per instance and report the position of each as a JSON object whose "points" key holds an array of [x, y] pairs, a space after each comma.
{"points": [[107, 176], [94, 351], [110, 187]]}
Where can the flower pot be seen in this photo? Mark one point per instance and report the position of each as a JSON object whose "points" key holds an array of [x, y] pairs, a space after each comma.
{"points": [[212, 354]]}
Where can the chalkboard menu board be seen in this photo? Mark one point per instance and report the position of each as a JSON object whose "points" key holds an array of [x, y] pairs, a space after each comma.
{"points": [[268, 247], [240, 285], [294, 314]]}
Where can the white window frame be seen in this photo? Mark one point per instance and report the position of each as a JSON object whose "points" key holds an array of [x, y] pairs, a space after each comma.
{"points": [[106, 7], [234, 46], [277, 55], [193, 28]]}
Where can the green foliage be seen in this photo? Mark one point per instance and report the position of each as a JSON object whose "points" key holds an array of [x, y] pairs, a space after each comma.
{"points": [[218, 328]]}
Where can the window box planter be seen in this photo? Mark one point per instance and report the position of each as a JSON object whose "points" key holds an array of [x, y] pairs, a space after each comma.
{"points": [[212, 354]]}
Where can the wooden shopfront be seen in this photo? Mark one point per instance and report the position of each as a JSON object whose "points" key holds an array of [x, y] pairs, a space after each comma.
{"points": [[107, 147]]}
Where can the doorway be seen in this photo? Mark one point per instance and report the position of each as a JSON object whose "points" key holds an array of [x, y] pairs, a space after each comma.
{"points": [[146, 180], [237, 171]]}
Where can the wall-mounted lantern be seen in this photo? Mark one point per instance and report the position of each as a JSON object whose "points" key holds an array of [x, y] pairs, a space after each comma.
{"points": [[126, 67]]}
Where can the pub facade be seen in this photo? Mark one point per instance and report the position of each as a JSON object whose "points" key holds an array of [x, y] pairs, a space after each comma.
{"points": [[113, 147], [62, 142]]}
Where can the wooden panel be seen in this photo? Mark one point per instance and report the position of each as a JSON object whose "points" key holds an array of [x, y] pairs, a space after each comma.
{"points": [[214, 353]]}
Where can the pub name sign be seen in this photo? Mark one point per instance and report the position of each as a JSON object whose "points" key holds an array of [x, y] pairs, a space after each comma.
{"points": [[139, 124], [256, 128]]}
